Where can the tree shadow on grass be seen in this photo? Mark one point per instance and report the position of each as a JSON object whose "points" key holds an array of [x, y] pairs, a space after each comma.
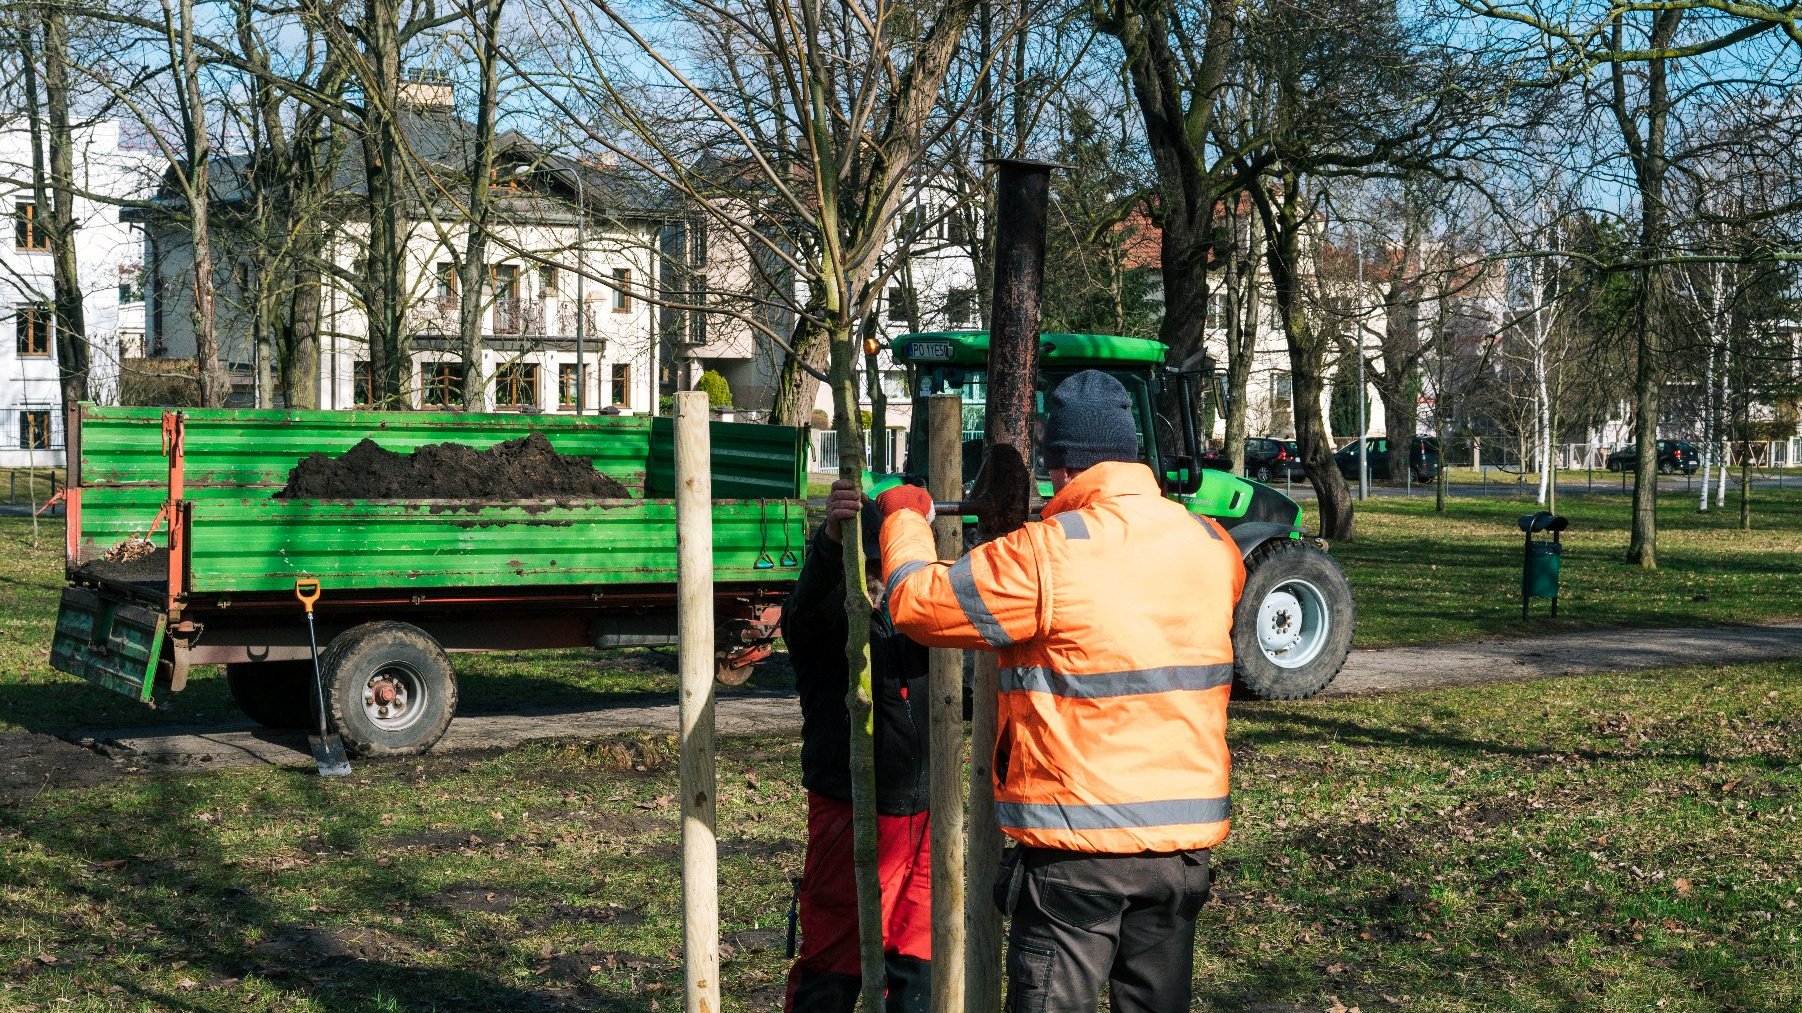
{"points": [[159, 872]]}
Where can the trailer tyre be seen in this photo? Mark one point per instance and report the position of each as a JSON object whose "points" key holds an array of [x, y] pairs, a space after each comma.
{"points": [[1292, 629], [274, 694], [389, 688]]}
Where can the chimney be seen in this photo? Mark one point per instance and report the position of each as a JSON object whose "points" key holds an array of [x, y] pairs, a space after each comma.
{"points": [[427, 89]]}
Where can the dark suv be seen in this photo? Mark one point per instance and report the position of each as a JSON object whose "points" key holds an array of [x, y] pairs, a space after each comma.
{"points": [[1423, 458], [1673, 456], [1267, 458]]}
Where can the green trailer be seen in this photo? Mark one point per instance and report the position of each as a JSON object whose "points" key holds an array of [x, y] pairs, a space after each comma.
{"points": [[404, 581]]}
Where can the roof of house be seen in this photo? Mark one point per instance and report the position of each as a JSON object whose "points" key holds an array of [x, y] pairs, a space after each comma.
{"points": [[444, 142]]}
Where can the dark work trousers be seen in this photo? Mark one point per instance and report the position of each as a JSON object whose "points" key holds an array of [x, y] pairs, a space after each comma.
{"points": [[1081, 921]]}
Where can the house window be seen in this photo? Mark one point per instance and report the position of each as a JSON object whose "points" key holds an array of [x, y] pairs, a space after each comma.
{"points": [[619, 384], [1219, 310], [505, 177], [547, 281], [622, 286], [362, 382], [900, 304], [445, 275], [1282, 396], [33, 322], [28, 232], [507, 318], [960, 307], [441, 384], [516, 386], [34, 429], [567, 386]]}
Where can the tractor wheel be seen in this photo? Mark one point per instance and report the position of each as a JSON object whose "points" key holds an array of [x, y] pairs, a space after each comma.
{"points": [[389, 688], [1293, 627], [274, 694]]}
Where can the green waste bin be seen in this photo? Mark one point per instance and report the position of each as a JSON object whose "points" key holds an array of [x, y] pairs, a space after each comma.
{"points": [[1541, 560]]}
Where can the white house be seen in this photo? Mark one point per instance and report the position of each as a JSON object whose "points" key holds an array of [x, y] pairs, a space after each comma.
{"points": [[107, 252], [573, 254]]}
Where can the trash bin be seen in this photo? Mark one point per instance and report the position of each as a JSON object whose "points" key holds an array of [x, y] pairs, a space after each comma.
{"points": [[1541, 560]]}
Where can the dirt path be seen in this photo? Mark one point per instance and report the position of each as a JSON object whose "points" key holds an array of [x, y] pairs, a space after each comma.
{"points": [[34, 761]]}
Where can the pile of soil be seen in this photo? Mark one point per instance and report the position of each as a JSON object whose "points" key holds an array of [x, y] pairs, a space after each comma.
{"points": [[522, 469], [135, 561]]}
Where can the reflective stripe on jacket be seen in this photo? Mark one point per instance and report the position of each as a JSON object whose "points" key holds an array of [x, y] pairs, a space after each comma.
{"points": [[1113, 620]]}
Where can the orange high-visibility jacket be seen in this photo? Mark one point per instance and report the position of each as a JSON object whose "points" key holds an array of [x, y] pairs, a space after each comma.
{"points": [[1113, 618]]}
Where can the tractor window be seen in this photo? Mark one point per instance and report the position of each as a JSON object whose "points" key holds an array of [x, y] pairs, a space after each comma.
{"points": [[972, 384]]}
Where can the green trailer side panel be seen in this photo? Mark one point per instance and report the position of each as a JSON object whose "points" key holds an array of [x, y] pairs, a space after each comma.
{"points": [[750, 461], [262, 545], [110, 643], [258, 448]]}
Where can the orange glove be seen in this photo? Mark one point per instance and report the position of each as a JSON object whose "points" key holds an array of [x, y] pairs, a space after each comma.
{"points": [[905, 497]]}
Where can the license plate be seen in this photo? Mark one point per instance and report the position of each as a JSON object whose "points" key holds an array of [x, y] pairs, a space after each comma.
{"points": [[930, 351]]}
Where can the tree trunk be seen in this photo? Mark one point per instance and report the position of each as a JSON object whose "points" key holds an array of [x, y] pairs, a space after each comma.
{"points": [[213, 383], [859, 697], [1240, 280], [481, 175], [382, 284], [1307, 363], [73, 352], [50, 193], [797, 391]]}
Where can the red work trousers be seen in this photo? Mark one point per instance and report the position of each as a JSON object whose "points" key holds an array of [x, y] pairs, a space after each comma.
{"points": [[828, 972]]}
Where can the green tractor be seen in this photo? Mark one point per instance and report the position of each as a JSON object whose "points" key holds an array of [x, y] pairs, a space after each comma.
{"points": [[1293, 627]]}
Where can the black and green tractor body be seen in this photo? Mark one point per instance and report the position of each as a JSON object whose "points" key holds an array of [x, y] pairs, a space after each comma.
{"points": [[1293, 627]]}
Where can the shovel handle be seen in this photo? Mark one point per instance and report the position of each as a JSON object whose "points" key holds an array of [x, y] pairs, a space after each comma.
{"points": [[307, 590]]}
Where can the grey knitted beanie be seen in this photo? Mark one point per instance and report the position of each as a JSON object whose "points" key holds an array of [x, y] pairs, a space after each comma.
{"points": [[1090, 421]]}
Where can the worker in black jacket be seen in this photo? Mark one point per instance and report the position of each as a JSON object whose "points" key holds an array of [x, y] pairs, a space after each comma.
{"points": [[827, 972]]}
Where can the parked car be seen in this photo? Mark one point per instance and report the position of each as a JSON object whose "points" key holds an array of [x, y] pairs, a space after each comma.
{"points": [[1423, 458], [1673, 456], [1267, 458]]}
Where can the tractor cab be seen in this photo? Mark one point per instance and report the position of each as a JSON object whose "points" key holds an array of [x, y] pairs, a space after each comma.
{"points": [[956, 362]]}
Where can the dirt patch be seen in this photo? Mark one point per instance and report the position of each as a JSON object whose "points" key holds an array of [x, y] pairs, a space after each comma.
{"points": [[560, 913], [496, 900], [30, 763], [523, 469], [305, 947]]}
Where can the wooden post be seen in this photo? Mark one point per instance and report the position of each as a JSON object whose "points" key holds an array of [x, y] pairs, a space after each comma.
{"points": [[944, 421], [694, 625]]}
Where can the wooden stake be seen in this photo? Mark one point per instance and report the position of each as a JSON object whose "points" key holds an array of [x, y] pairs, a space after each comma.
{"points": [[944, 419], [982, 923], [694, 630]]}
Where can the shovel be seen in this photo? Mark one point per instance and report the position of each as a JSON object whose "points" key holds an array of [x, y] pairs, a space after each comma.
{"points": [[328, 748]]}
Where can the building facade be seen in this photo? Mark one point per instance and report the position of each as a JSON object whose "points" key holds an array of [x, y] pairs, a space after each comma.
{"points": [[107, 257]]}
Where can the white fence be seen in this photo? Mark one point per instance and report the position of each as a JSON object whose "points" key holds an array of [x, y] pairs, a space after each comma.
{"points": [[1466, 452], [825, 448]]}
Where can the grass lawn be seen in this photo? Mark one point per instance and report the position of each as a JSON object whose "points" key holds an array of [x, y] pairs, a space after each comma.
{"points": [[1615, 843], [1421, 577]]}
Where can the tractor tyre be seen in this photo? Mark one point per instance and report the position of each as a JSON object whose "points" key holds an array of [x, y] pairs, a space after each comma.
{"points": [[1292, 629], [389, 689], [274, 694]]}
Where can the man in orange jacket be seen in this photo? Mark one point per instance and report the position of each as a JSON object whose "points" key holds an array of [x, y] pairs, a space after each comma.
{"points": [[1113, 620]]}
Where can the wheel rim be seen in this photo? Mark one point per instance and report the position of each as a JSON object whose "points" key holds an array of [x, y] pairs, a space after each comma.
{"points": [[394, 697], [1293, 624]]}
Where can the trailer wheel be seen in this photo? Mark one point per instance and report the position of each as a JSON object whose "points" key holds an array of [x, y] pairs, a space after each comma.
{"points": [[389, 688], [274, 694], [1293, 626]]}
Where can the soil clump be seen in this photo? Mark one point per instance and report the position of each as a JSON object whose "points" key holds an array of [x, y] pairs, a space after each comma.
{"points": [[149, 568], [523, 469]]}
